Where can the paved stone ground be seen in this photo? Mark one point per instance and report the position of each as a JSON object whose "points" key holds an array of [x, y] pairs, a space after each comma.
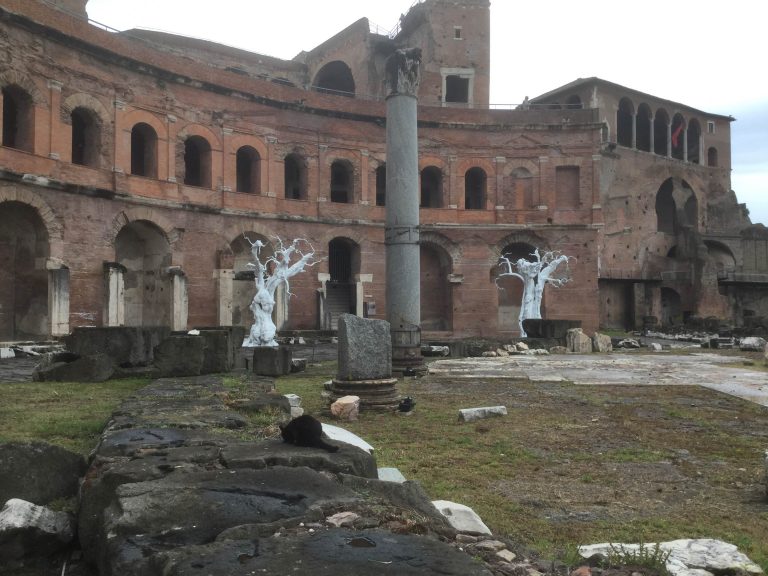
{"points": [[661, 369]]}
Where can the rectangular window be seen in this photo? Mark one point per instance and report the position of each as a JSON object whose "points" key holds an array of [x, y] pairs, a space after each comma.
{"points": [[711, 127], [567, 188], [456, 89], [457, 32]]}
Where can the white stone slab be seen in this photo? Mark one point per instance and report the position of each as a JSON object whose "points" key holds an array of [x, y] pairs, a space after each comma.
{"points": [[342, 435], [472, 414], [7, 353], [691, 557], [391, 475], [462, 518]]}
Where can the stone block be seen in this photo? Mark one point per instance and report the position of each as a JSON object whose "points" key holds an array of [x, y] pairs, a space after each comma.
{"points": [[38, 472], [540, 328], [64, 367], [365, 349], [346, 408], [218, 356], [472, 414], [752, 344], [391, 475], [179, 355], [272, 360], [30, 530], [125, 345], [462, 518], [601, 343], [577, 342]]}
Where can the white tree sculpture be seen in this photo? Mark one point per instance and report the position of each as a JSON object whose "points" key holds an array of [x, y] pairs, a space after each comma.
{"points": [[535, 276], [270, 274]]}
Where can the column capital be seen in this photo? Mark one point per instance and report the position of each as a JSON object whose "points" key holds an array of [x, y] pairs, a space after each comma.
{"points": [[403, 72]]}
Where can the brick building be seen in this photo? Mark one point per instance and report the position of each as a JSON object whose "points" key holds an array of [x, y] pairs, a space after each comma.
{"points": [[133, 164]]}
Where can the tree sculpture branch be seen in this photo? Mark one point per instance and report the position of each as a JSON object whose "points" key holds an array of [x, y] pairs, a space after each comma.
{"points": [[535, 275], [270, 274]]}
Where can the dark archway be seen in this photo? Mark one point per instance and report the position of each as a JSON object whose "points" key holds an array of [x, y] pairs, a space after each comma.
{"points": [[143, 250], [248, 168], [18, 118], [694, 141], [340, 291], [342, 180], [666, 210], [86, 137], [671, 307], [436, 302], [475, 184], [143, 150], [677, 137], [712, 157], [381, 185], [660, 132], [510, 289], [431, 187], [197, 162], [335, 78], [24, 247], [643, 128], [625, 118], [295, 175]]}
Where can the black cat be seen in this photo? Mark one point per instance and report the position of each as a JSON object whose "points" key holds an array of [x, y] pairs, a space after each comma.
{"points": [[305, 431]]}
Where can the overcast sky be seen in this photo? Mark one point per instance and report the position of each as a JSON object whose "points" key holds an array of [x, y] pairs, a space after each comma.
{"points": [[704, 54]]}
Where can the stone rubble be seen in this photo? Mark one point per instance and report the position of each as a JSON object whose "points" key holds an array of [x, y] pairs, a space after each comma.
{"points": [[689, 557]]}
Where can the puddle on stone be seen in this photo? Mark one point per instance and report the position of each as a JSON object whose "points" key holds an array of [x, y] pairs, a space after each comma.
{"points": [[361, 542]]}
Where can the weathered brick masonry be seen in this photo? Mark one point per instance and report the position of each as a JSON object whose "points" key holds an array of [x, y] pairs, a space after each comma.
{"points": [[133, 164]]}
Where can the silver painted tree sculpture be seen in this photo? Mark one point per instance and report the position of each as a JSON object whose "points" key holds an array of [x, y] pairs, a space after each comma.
{"points": [[270, 274], [535, 276]]}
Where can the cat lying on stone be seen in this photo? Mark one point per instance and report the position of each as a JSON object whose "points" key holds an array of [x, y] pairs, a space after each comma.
{"points": [[305, 431]]}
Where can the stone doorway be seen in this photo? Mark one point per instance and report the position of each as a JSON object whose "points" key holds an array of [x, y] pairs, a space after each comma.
{"points": [[24, 282]]}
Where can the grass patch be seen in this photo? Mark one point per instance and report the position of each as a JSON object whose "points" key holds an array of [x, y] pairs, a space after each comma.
{"points": [[572, 465], [68, 414]]}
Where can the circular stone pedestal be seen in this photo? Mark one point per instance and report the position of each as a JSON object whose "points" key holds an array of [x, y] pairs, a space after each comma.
{"points": [[378, 395]]}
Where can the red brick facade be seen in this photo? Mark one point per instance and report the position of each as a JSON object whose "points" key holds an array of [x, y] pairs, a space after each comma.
{"points": [[132, 164]]}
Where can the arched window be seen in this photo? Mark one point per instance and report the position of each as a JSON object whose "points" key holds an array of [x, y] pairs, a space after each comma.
{"points": [[712, 157], [197, 162], [666, 211], [677, 137], [694, 141], [18, 128], [643, 127], [248, 168], [295, 174], [625, 117], [431, 187], [85, 137], [573, 102], [474, 189], [144, 150], [341, 182], [335, 78], [660, 136], [381, 185], [436, 306]]}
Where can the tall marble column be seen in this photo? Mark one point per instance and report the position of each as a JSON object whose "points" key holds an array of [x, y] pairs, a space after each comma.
{"points": [[402, 210]]}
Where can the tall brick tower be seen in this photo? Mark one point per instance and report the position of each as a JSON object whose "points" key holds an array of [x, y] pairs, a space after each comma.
{"points": [[454, 37]]}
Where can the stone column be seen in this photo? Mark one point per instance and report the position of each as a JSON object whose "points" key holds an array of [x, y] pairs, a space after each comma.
{"points": [[402, 210], [58, 298], [179, 298], [114, 287]]}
